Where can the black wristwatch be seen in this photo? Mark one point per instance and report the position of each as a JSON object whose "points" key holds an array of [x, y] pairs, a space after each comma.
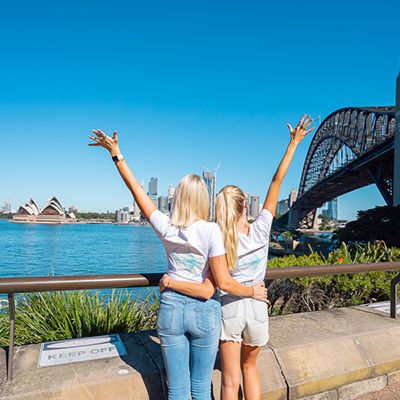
{"points": [[118, 157]]}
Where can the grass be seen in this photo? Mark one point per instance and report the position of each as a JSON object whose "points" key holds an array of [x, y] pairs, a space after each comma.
{"points": [[53, 316]]}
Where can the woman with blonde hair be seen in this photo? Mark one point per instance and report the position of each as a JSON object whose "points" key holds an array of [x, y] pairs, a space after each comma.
{"points": [[188, 327], [244, 321]]}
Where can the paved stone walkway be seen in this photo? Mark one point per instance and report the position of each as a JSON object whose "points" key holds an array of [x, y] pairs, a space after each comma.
{"points": [[391, 392]]}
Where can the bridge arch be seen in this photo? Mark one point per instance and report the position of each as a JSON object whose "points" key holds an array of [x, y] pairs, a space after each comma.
{"points": [[352, 142]]}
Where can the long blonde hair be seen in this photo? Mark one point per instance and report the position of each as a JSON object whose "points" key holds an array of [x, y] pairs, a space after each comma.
{"points": [[190, 202], [229, 207]]}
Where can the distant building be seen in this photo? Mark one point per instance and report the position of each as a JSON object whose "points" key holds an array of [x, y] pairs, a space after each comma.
{"points": [[135, 212], [123, 216], [282, 207], [6, 209], [209, 179], [171, 191], [153, 188], [333, 209], [254, 206], [163, 204], [292, 197], [52, 213]]}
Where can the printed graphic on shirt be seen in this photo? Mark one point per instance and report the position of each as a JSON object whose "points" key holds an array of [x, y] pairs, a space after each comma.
{"points": [[249, 264], [193, 262]]}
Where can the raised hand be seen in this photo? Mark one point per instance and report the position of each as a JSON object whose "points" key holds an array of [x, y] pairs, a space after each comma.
{"points": [[102, 140], [301, 130]]}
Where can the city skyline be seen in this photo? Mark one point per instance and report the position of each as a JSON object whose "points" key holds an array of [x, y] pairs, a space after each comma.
{"points": [[185, 85]]}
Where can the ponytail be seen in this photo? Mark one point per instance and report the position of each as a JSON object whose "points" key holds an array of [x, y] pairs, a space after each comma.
{"points": [[228, 209]]}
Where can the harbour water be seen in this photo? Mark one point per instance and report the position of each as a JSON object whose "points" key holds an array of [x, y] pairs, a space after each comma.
{"points": [[43, 250]]}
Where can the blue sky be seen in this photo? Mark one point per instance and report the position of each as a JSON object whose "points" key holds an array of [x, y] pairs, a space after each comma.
{"points": [[186, 84]]}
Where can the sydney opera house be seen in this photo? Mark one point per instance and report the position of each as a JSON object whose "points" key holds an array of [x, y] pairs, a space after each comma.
{"points": [[52, 213]]}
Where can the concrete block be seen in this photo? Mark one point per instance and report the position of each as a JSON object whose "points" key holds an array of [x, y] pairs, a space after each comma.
{"points": [[3, 368], [356, 389], [273, 385], [382, 349], [330, 395], [321, 366], [393, 377], [132, 377]]}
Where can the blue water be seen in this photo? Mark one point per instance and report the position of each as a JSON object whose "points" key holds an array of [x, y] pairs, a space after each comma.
{"points": [[43, 250]]}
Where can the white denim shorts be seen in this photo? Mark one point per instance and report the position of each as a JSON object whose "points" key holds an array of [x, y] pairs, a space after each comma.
{"points": [[244, 320]]}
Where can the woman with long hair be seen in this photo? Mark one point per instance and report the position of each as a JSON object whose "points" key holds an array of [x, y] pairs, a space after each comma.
{"points": [[188, 327], [244, 321]]}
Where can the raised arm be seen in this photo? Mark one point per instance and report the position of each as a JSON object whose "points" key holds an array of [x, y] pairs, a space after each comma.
{"points": [[296, 136], [145, 204]]}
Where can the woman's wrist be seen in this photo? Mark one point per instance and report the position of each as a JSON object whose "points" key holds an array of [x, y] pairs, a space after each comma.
{"points": [[252, 291], [115, 151]]}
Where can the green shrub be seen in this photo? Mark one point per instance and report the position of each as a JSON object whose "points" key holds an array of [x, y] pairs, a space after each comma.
{"points": [[322, 292], [53, 316]]}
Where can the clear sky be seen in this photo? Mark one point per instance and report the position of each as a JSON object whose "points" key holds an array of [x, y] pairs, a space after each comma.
{"points": [[187, 84]]}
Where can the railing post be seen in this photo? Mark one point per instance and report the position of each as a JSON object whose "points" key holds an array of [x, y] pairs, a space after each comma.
{"points": [[11, 310], [393, 296]]}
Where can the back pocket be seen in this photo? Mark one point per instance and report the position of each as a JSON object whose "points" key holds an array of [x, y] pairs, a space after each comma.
{"points": [[165, 317], [260, 310], [206, 318], [230, 306]]}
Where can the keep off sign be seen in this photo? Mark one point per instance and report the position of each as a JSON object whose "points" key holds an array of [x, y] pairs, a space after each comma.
{"points": [[79, 350]]}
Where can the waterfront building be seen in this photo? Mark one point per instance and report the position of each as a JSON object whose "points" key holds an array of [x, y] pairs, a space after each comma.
{"points": [[123, 216], [52, 213], [254, 206], [282, 207], [27, 213], [210, 181]]}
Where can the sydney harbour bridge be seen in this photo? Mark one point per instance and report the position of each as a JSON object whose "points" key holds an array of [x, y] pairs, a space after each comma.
{"points": [[352, 148]]}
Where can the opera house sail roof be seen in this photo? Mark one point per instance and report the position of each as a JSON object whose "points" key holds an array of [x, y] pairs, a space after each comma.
{"points": [[52, 213]]}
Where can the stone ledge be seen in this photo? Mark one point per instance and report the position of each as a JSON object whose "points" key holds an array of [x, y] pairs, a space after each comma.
{"points": [[309, 356]]}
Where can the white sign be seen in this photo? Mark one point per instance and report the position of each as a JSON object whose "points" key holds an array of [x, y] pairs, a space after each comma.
{"points": [[78, 350]]}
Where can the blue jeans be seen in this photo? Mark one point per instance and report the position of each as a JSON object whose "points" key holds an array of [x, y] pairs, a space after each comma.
{"points": [[189, 331]]}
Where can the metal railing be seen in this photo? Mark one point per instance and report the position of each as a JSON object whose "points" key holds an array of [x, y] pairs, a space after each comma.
{"points": [[11, 286]]}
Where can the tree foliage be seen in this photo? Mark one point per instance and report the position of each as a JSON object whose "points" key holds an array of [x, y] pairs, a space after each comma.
{"points": [[379, 223]]}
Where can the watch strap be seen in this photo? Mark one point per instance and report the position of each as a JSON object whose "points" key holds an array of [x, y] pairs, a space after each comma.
{"points": [[118, 157]]}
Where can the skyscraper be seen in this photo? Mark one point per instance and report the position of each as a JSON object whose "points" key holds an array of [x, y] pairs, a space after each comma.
{"points": [[333, 209], [282, 207], [153, 184], [254, 206], [163, 204], [209, 179]]}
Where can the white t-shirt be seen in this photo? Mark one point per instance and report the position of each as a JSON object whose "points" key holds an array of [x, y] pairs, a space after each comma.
{"points": [[188, 249], [253, 250]]}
